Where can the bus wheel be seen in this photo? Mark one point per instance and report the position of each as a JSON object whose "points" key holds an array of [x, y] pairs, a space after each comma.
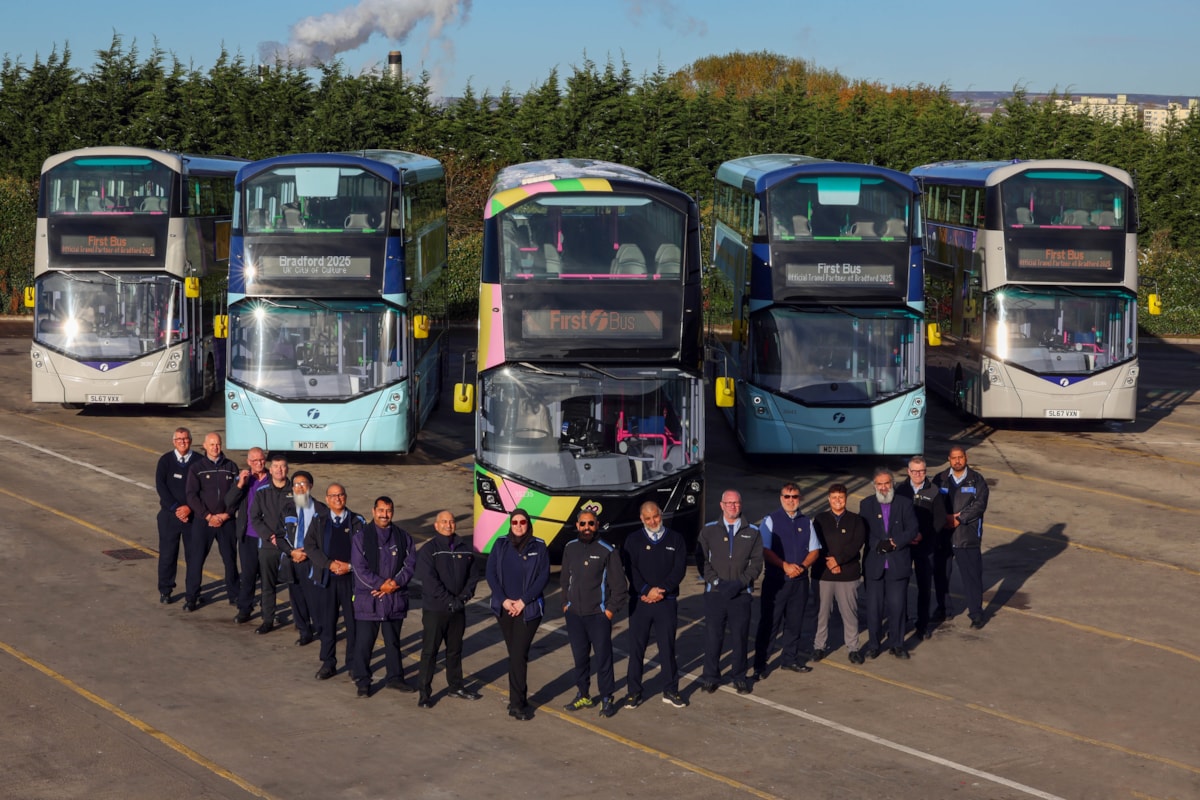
{"points": [[72, 406]]}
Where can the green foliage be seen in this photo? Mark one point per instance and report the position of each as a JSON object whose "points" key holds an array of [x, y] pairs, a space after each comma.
{"points": [[676, 126], [1174, 273], [18, 226], [460, 279]]}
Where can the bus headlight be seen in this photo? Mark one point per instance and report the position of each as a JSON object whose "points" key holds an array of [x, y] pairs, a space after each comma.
{"points": [[690, 499], [173, 361], [993, 375], [234, 406], [694, 486]]}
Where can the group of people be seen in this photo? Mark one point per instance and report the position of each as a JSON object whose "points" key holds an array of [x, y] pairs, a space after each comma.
{"points": [[342, 567]]}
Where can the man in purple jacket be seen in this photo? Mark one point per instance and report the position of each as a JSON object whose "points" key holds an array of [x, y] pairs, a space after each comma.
{"points": [[382, 558]]}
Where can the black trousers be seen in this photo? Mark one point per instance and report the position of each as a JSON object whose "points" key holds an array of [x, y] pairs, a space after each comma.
{"points": [[197, 543], [268, 566], [782, 609], [439, 627], [365, 634], [970, 572], [248, 555], [943, 565], [886, 597], [591, 634], [663, 617], [719, 612], [337, 600], [170, 532], [518, 637], [307, 600], [923, 572]]}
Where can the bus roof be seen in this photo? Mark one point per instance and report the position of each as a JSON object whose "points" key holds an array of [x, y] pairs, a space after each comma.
{"points": [[179, 162], [570, 169], [990, 173], [760, 172], [398, 162]]}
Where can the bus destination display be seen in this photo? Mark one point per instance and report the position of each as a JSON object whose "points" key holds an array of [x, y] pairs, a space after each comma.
{"points": [[111, 245], [545, 323], [841, 274], [325, 267], [1063, 258]]}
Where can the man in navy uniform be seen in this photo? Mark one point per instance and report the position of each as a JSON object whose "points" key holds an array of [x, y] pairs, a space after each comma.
{"points": [[174, 513], [931, 519], [965, 493], [790, 546], [210, 478]]}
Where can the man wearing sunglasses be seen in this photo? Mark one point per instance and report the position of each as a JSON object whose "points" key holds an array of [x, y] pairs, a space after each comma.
{"points": [[594, 590]]}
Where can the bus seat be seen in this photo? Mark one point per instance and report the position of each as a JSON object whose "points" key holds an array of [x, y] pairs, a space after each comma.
{"points": [[66, 203], [629, 261], [895, 228], [291, 216], [800, 225], [93, 203], [863, 228], [1107, 219], [256, 219], [666, 260], [1075, 217], [1024, 216], [357, 220]]}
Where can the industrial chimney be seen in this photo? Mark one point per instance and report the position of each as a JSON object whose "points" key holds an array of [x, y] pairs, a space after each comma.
{"points": [[394, 68]]}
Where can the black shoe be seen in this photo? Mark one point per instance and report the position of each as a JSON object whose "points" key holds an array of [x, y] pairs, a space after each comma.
{"points": [[632, 700], [976, 623], [922, 633], [708, 687], [900, 653], [305, 640], [743, 686], [820, 653], [233, 601], [164, 597], [856, 657], [608, 707], [759, 675], [364, 690], [423, 701], [463, 693], [399, 685], [872, 653], [242, 617], [674, 698], [265, 628], [191, 605], [797, 667], [326, 672], [521, 714], [938, 616]]}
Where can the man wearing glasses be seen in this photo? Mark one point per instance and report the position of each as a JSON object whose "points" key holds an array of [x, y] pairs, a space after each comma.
{"points": [[931, 518], [327, 544], [790, 546], [887, 564], [174, 513], [248, 482], [732, 553], [594, 590]]}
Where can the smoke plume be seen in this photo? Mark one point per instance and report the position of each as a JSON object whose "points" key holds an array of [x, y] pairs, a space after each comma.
{"points": [[318, 39]]}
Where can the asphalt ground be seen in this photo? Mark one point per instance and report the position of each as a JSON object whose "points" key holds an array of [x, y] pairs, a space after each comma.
{"points": [[1080, 685]]}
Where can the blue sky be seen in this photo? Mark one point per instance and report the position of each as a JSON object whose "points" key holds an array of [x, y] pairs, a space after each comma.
{"points": [[1099, 46]]}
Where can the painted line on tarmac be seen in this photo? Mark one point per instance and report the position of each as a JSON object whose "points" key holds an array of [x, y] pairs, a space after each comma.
{"points": [[86, 431], [1125, 451], [144, 727], [78, 463], [1120, 637]]}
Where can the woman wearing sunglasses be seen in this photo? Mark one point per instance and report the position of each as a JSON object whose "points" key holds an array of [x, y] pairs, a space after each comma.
{"points": [[517, 572]]}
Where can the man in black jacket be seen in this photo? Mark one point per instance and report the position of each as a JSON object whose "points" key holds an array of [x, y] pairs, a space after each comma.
{"points": [[887, 563], [268, 506], [594, 590], [327, 545], [174, 513], [208, 482], [449, 570], [931, 519], [238, 497], [965, 493], [732, 553]]}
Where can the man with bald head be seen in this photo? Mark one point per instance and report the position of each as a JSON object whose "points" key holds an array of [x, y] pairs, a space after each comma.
{"points": [[449, 570], [208, 482], [327, 546]]}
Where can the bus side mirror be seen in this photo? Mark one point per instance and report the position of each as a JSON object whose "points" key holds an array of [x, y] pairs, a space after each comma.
{"points": [[421, 326], [724, 389], [464, 398], [191, 287], [30, 296], [933, 334], [1153, 301], [221, 326]]}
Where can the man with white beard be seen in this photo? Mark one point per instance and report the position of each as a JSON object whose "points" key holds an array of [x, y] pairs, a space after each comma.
{"points": [[295, 569], [887, 565]]}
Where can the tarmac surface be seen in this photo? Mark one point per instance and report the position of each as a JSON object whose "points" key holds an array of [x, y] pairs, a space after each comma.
{"points": [[1080, 685]]}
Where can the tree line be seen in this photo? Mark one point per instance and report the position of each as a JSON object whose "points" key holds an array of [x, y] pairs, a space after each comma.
{"points": [[677, 126]]}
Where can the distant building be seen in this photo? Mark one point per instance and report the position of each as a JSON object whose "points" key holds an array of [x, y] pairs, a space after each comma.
{"points": [[1156, 118], [1114, 111]]}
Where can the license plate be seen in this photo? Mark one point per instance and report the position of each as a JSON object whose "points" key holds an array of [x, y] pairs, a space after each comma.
{"points": [[837, 449], [104, 398], [312, 445], [1063, 413]]}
